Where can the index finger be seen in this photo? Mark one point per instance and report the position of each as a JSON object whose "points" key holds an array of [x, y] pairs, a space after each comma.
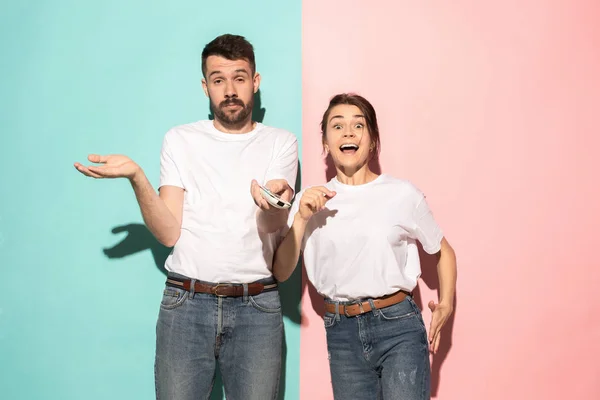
{"points": [[255, 189], [324, 190], [436, 343], [434, 328]]}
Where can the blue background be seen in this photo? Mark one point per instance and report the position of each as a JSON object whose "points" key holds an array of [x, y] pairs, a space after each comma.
{"points": [[79, 302]]}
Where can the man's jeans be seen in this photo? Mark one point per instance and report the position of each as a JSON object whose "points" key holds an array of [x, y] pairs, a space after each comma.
{"points": [[382, 354], [195, 331]]}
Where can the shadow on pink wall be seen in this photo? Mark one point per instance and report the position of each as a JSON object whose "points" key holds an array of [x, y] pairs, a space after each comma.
{"points": [[429, 276]]}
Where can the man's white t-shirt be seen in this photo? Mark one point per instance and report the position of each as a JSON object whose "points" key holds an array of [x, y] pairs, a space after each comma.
{"points": [[220, 240], [363, 244]]}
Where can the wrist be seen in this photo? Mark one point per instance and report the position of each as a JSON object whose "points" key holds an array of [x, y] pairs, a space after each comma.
{"points": [[137, 177], [446, 304], [299, 221]]}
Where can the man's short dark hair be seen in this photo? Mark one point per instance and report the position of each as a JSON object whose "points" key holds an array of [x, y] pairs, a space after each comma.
{"points": [[231, 47]]}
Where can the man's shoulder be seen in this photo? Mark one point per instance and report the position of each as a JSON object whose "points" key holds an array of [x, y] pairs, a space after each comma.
{"points": [[278, 133], [181, 133], [196, 126]]}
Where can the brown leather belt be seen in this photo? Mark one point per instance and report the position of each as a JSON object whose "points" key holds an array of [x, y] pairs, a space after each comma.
{"points": [[350, 310], [222, 289]]}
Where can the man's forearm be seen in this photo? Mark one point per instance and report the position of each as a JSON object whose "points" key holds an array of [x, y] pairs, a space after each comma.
{"points": [[158, 218]]}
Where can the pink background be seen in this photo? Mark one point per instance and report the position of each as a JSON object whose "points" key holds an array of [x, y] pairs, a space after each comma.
{"points": [[492, 109]]}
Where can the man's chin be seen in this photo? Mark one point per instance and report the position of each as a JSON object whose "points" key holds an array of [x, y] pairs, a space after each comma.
{"points": [[226, 119]]}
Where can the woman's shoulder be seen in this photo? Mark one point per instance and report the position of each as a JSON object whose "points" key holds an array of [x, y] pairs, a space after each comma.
{"points": [[400, 183], [401, 187]]}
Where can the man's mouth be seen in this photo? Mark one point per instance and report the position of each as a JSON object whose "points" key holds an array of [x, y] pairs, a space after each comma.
{"points": [[231, 104]]}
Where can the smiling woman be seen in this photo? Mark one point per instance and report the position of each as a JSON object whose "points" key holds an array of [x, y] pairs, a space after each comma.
{"points": [[364, 261], [347, 119]]}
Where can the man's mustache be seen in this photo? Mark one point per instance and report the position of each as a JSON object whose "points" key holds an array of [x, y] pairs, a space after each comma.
{"points": [[230, 102]]}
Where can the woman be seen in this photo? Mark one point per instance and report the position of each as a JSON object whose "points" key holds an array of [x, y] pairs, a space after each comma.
{"points": [[358, 236]]}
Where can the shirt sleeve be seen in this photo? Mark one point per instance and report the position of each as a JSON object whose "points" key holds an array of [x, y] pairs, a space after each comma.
{"points": [[285, 163], [169, 172], [424, 227]]}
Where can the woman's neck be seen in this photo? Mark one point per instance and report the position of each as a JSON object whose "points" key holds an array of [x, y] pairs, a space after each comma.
{"points": [[359, 177]]}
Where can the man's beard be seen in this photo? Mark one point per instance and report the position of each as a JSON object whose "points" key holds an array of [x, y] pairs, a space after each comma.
{"points": [[228, 119]]}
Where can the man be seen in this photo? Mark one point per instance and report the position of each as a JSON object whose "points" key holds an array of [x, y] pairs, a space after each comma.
{"points": [[221, 303]]}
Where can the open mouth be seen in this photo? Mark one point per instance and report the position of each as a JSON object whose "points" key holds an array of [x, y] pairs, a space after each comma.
{"points": [[349, 148]]}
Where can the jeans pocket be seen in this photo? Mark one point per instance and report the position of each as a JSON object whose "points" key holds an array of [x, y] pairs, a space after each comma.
{"points": [[173, 298], [268, 302], [398, 311], [329, 320]]}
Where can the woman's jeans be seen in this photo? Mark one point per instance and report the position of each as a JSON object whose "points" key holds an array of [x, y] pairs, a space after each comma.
{"points": [[381, 354]]}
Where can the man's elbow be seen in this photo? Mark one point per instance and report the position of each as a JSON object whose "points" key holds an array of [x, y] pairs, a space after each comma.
{"points": [[170, 241]]}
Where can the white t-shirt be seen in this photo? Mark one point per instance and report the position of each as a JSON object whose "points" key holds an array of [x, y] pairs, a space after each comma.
{"points": [[363, 244], [220, 241]]}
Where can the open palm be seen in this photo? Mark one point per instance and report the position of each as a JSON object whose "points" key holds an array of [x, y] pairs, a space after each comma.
{"points": [[111, 166]]}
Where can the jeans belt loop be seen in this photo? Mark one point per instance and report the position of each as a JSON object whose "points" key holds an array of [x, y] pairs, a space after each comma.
{"points": [[245, 286], [192, 288], [372, 304]]}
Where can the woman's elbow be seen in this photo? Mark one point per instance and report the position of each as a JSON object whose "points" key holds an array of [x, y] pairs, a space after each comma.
{"points": [[446, 248], [281, 273], [279, 276]]}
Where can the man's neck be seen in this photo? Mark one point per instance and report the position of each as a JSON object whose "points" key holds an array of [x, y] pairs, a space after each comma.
{"points": [[242, 127]]}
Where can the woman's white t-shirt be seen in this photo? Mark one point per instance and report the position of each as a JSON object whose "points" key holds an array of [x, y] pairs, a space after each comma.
{"points": [[363, 244]]}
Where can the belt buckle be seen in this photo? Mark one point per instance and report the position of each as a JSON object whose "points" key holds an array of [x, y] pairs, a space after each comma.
{"points": [[354, 303], [215, 289], [346, 311]]}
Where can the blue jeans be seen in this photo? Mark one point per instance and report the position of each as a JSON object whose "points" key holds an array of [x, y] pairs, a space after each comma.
{"points": [[195, 331], [382, 354]]}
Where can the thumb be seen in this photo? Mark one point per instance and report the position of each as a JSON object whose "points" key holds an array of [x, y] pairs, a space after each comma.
{"points": [[277, 186], [96, 158], [431, 305]]}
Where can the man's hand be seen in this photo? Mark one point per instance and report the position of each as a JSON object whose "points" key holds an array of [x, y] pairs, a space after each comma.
{"points": [[112, 166], [279, 187], [439, 316]]}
